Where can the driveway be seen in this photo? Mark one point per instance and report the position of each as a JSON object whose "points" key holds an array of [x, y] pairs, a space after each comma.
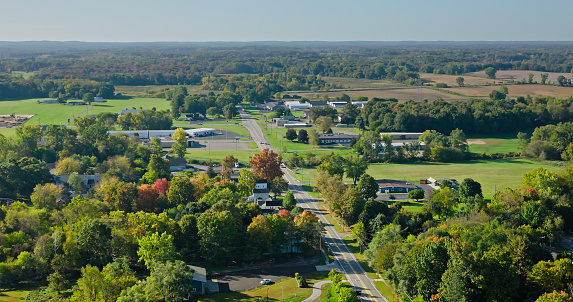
{"points": [[250, 279]]}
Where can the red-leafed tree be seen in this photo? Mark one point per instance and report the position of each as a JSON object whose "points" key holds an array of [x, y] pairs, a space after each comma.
{"points": [[147, 198], [161, 185], [267, 165]]}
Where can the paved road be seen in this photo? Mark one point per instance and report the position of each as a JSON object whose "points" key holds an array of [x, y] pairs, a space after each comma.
{"points": [[354, 272]]}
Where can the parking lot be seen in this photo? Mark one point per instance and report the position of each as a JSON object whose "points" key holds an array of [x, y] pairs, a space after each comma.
{"points": [[250, 279]]}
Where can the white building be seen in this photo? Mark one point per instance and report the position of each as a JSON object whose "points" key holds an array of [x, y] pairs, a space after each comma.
{"points": [[146, 134], [296, 105], [99, 99], [260, 192], [337, 104]]}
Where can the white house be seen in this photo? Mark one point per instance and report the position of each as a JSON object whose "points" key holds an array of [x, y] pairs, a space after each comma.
{"points": [[296, 105], [99, 99], [89, 181], [337, 104], [260, 192]]}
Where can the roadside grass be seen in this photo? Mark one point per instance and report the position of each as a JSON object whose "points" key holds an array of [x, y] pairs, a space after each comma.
{"points": [[355, 249], [230, 121], [274, 292], [253, 145], [217, 156], [309, 190], [328, 215], [491, 174], [385, 291], [323, 294]]}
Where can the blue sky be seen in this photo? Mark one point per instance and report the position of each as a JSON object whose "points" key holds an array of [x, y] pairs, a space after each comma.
{"points": [[293, 20]]}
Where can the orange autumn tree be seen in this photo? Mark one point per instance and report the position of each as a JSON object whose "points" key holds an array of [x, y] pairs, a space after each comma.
{"points": [[267, 165]]}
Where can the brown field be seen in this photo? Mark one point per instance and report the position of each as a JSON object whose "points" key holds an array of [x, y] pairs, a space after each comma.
{"points": [[519, 75], [450, 80], [517, 90], [361, 83], [403, 95]]}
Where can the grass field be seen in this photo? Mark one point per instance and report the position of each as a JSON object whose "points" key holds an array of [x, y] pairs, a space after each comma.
{"points": [[44, 113], [500, 174], [516, 90], [151, 89], [120, 104], [7, 131], [292, 293], [351, 83], [498, 143]]}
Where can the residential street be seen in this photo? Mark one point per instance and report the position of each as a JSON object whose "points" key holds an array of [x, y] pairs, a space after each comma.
{"points": [[352, 269]]}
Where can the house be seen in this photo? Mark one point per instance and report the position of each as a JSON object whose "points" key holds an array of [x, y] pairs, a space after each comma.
{"points": [[318, 104], [296, 105], [89, 181], [402, 135], [454, 184], [99, 99], [296, 125], [260, 192], [132, 111], [176, 163], [271, 106], [337, 104], [76, 103], [395, 186], [199, 279], [338, 138], [359, 104], [168, 142], [272, 206], [50, 101]]}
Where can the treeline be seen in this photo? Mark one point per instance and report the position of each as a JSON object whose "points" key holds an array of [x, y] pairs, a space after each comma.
{"points": [[184, 65], [18, 87], [272, 83], [472, 117], [550, 142]]}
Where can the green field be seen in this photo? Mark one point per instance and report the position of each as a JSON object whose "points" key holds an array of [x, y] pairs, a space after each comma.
{"points": [[7, 131], [117, 105], [496, 143], [44, 113], [492, 174]]}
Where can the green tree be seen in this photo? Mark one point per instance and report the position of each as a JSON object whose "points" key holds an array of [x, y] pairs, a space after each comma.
{"points": [[444, 202], [324, 123], [247, 181], [355, 167], [544, 77], [219, 237], [45, 196], [260, 238], [278, 185], [530, 78], [155, 249], [555, 296], [470, 188], [180, 191], [490, 72], [302, 136], [88, 98], [416, 194], [180, 145], [94, 238], [289, 202], [57, 282], [77, 184], [155, 145], [313, 137], [290, 134], [368, 186], [460, 81], [89, 285]]}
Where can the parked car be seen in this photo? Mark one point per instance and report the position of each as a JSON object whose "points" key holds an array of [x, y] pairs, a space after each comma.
{"points": [[266, 281]]}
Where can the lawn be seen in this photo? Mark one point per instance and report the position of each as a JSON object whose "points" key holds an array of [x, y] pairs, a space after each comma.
{"points": [[7, 131], [119, 104], [492, 174], [217, 156], [497, 143], [292, 293], [44, 113]]}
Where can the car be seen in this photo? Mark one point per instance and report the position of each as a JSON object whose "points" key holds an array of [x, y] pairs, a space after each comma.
{"points": [[266, 281], [237, 165]]}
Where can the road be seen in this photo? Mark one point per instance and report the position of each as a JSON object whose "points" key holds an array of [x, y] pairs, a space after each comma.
{"points": [[352, 269]]}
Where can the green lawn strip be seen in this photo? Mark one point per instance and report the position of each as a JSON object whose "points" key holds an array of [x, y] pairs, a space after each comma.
{"points": [[217, 156], [231, 121], [116, 105], [253, 145], [385, 291], [355, 249], [309, 190], [323, 294], [331, 219], [288, 286]]}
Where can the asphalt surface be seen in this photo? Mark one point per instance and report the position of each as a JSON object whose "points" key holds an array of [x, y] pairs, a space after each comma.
{"points": [[250, 279], [354, 272]]}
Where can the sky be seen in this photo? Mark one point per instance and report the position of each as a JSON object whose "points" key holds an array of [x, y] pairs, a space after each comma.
{"points": [[292, 20]]}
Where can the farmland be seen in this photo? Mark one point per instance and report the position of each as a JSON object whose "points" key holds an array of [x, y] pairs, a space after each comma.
{"points": [[401, 94], [516, 90]]}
